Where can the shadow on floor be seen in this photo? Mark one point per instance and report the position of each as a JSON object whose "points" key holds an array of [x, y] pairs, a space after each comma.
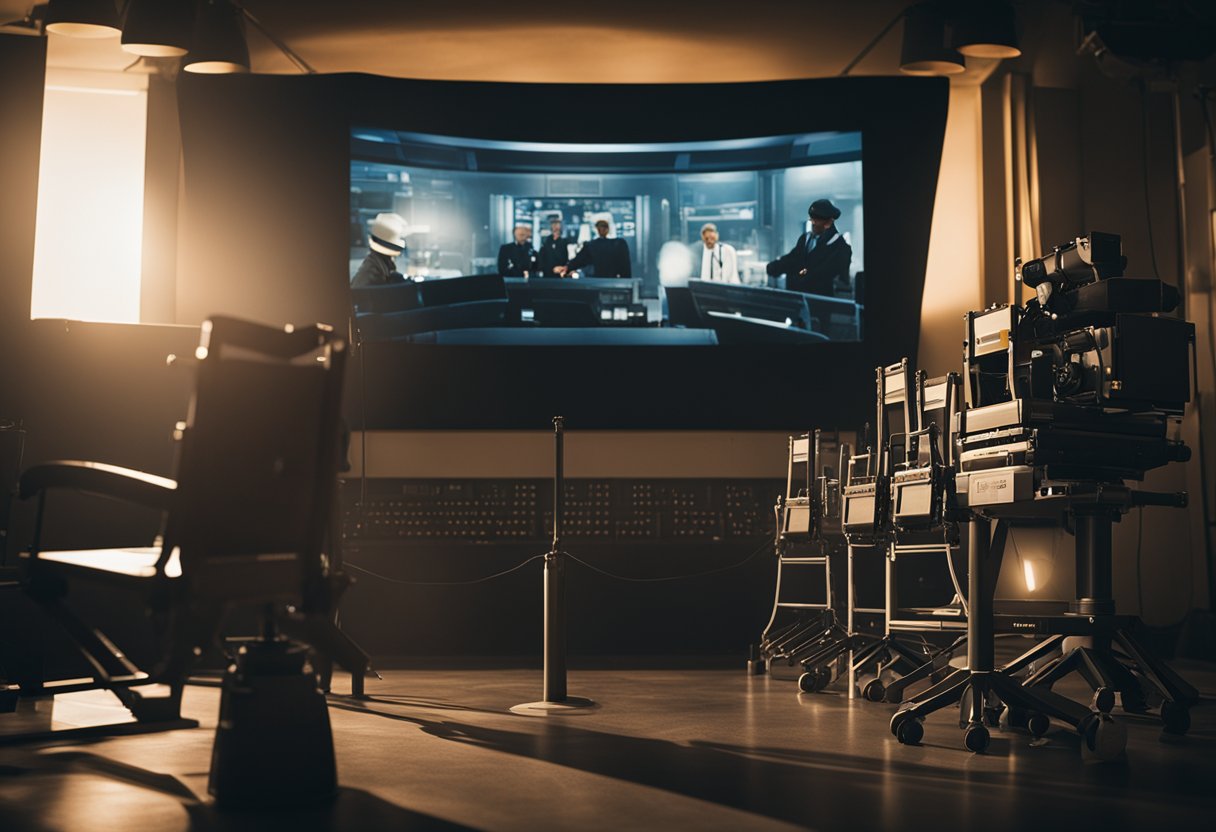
{"points": [[827, 788], [351, 809], [354, 809]]}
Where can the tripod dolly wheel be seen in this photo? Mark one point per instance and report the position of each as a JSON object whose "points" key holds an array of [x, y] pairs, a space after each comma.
{"points": [[908, 729], [1015, 717], [1104, 700], [872, 688], [815, 679], [1037, 724], [1175, 718], [1104, 738], [976, 738]]}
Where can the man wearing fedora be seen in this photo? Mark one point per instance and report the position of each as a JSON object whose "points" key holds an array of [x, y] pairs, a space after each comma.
{"points": [[819, 257], [385, 243]]}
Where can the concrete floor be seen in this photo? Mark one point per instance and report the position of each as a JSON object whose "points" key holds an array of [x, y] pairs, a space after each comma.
{"points": [[666, 749]]}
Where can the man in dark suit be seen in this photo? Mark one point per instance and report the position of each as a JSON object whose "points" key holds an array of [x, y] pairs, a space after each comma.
{"points": [[608, 257], [518, 259], [554, 250], [820, 256]]}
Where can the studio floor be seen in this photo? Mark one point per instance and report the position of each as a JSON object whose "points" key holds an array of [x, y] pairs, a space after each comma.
{"points": [[665, 749]]}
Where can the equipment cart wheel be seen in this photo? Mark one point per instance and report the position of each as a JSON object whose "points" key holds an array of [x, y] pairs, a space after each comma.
{"points": [[872, 689], [1104, 700], [909, 730], [976, 738], [815, 680], [1104, 738], [1175, 718], [1038, 724]]}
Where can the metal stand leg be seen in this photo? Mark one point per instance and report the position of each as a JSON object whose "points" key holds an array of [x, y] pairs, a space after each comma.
{"points": [[982, 688], [555, 699], [1107, 672]]}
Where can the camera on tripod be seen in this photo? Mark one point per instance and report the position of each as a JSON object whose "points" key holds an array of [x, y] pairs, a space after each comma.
{"points": [[1079, 384]]}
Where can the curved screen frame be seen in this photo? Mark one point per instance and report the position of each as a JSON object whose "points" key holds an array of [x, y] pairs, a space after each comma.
{"points": [[427, 386]]}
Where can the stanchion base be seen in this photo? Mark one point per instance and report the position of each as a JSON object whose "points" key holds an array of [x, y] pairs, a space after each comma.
{"points": [[569, 705]]}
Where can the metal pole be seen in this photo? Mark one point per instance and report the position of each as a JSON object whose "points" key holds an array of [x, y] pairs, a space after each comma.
{"points": [[556, 699], [980, 648], [555, 579], [1095, 582]]}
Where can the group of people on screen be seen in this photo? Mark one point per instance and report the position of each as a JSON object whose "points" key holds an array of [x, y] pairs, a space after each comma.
{"points": [[818, 258]]}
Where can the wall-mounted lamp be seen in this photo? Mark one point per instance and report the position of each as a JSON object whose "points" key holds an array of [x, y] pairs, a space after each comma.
{"points": [[158, 28], [82, 18], [218, 44]]}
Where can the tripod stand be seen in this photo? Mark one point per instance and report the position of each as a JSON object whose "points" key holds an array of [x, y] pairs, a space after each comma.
{"points": [[1114, 661], [982, 689]]}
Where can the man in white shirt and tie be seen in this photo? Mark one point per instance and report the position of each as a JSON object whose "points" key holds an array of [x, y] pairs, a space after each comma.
{"points": [[718, 261]]}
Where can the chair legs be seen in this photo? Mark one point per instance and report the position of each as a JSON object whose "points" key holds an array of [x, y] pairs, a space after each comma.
{"points": [[155, 706], [332, 645]]}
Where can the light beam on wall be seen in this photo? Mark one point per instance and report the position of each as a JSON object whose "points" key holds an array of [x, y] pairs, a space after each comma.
{"points": [[89, 234]]}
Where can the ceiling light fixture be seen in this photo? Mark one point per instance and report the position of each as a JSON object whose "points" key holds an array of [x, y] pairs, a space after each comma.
{"points": [[924, 50], [218, 43], [158, 28], [82, 18], [986, 30]]}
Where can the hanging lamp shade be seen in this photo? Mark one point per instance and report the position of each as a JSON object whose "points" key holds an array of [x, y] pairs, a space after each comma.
{"points": [[158, 28], [987, 30], [924, 49], [218, 43], [82, 18]]}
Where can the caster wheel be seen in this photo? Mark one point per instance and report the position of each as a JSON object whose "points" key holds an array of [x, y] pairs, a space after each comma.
{"points": [[1103, 701], [1104, 738], [1133, 702], [873, 690], [815, 679], [964, 708], [976, 738], [1015, 718], [1175, 718], [1038, 724], [907, 729]]}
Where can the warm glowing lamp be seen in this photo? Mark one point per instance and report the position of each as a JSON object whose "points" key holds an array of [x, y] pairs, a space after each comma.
{"points": [[218, 44], [158, 28], [82, 18]]}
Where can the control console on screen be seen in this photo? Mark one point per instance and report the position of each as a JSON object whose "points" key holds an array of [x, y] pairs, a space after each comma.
{"points": [[738, 241]]}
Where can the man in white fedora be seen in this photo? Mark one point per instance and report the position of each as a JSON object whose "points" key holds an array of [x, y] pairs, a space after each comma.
{"points": [[386, 241]]}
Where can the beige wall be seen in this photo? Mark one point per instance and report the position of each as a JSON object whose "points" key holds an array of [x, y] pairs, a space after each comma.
{"points": [[953, 273]]}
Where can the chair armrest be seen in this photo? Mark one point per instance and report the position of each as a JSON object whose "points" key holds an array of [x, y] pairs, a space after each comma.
{"points": [[100, 479]]}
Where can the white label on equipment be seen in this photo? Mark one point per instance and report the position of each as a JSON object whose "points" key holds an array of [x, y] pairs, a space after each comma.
{"points": [[991, 489]]}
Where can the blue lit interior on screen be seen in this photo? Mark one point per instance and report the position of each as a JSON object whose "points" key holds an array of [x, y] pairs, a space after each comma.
{"points": [[463, 198]]}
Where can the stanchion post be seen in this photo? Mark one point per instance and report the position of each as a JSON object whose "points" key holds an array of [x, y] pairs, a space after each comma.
{"points": [[555, 696], [555, 582]]}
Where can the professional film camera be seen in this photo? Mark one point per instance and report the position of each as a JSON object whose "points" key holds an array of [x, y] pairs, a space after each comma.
{"points": [[1050, 385], [1068, 398]]}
